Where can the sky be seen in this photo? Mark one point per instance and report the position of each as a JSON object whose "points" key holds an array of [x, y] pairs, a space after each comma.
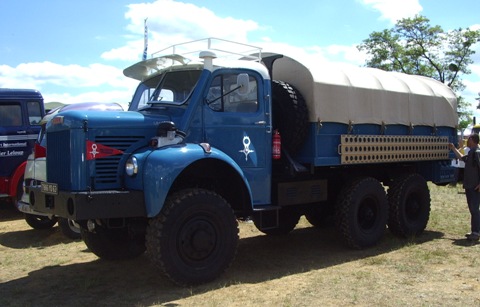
{"points": [[75, 51]]}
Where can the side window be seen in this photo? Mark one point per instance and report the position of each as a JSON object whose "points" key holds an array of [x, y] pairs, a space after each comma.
{"points": [[34, 112], [10, 115], [142, 102], [224, 96]]}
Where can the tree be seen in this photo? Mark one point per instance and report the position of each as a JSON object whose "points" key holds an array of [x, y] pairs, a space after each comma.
{"points": [[415, 47], [465, 116]]}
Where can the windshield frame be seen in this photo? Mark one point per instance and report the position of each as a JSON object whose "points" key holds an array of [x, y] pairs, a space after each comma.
{"points": [[172, 87]]}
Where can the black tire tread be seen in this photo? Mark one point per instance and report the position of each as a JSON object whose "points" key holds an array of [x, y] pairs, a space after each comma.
{"points": [[160, 229], [68, 229], [287, 218], [398, 223], [39, 221], [290, 115], [113, 244], [345, 218]]}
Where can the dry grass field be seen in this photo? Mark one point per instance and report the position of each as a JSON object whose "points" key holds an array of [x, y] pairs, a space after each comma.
{"points": [[309, 267]]}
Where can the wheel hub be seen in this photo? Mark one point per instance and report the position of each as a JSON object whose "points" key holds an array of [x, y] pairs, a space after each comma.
{"points": [[367, 215], [412, 208], [197, 240]]}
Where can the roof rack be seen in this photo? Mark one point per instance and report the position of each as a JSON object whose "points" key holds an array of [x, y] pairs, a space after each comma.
{"points": [[188, 53], [222, 48]]}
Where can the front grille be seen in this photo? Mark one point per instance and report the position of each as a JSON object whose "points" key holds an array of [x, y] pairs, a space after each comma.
{"points": [[67, 166], [107, 169], [59, 159]]}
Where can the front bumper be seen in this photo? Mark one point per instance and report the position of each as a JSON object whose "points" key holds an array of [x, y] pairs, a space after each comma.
{"points": [[26, 208], [88, 205]]}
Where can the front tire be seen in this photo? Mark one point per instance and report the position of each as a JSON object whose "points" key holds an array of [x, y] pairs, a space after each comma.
{"points": [[40, 221], [69, 228], [194, 238], [362, 212], [113, 243]]}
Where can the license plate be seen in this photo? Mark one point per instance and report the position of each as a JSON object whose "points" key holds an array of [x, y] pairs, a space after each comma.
{"points": [[49, 188]]}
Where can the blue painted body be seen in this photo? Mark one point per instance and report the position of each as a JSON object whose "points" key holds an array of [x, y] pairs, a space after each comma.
{"points": [[240, 141], [131, 131], [161, 167], [321, 147]]}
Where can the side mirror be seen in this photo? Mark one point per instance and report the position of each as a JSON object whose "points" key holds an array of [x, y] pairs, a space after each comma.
{"points": [[243, 84]]}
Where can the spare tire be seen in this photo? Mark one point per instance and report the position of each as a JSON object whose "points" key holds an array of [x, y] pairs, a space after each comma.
{"points": [[290, 115]]}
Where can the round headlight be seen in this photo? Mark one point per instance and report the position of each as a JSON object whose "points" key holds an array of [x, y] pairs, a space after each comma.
{"points": [[131, 167]]}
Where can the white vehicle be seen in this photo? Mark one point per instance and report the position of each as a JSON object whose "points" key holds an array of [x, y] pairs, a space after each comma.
{"points": [[35, 173]]}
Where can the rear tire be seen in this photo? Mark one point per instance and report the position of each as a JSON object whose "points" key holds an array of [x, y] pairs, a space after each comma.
{"points": [[320, 215], [409, 200], [362, 212], [287, 220]]}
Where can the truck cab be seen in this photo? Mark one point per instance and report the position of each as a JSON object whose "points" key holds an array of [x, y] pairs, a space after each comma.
{"points": [[21, 111], [230, 111]]}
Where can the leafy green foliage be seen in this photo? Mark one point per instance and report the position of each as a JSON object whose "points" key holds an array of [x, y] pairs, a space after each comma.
{"points": [[415, 47], [465, 116]]}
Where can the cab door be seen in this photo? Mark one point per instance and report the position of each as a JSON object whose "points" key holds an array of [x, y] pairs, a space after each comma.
{"points": [[237, 122], [13, 143], [19, 127]]}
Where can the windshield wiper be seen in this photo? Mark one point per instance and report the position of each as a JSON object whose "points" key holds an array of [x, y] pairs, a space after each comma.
{"points": [[157, 89], [159, 100]]}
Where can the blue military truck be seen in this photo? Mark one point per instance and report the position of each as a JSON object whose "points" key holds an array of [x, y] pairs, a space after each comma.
{"points": [[266, 137], [20, 113]]}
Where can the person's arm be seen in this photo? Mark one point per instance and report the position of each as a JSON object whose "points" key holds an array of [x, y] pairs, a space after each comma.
{"points": [[457, 153]]}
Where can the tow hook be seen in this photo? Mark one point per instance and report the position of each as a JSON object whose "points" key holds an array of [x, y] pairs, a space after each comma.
{"points": [[89, 194]]}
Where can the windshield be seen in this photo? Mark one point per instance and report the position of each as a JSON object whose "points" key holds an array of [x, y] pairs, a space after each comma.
{"points": [[173, 87]]}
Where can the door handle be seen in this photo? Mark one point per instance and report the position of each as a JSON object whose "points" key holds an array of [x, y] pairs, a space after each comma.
{"points": [[262, 122]]}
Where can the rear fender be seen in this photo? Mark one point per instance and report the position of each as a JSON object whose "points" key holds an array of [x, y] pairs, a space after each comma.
{"points": [[163, 166]]}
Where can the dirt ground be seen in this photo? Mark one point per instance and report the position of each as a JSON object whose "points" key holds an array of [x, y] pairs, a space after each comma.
{"points": [[309, 267]]}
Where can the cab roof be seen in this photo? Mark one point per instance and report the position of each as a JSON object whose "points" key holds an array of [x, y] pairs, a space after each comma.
{"points": [[11, 94]]}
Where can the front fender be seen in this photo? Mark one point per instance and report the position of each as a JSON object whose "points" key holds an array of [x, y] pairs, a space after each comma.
{"points": [[162, 166]]}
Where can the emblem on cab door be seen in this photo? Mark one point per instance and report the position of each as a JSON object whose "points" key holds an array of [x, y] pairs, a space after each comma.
{"points": [[246, 147]]}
